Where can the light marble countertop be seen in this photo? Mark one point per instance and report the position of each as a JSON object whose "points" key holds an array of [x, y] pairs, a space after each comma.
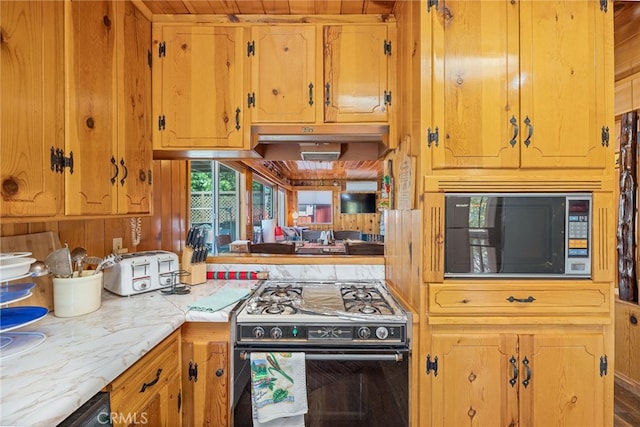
{"points": [[83, 354]]}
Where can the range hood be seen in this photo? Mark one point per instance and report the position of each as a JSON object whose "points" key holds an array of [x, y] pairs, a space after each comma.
{"points": [[324, 142]]}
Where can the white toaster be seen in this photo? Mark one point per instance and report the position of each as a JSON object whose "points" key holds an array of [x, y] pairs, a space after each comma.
{"points": [[139, 272]]}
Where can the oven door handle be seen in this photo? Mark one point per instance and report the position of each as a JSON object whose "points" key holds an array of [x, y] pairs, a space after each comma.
{"points": [[396, 357]]}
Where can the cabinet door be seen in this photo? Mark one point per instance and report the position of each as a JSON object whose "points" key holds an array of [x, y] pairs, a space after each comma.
{"points": [[475, 84], [562, 83], [199, 87], [565, 384], [355, 73], [92, 109], [283, 74], [472, 385], [135, 148], [31, 107]]}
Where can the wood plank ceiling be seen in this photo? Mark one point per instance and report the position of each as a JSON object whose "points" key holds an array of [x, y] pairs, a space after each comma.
{"points": [[270, 7]]}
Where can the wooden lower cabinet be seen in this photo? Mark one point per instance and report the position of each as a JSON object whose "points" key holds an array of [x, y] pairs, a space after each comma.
{"points": [[628, 340], [149, 393], [205, 374], [493, 376]]}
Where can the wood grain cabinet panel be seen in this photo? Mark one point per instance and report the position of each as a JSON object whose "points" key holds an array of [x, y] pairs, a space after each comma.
{"points": [[108, 93], [486, 378], [356, 73], [205, 374], [283, 74], [149, 392], [627, 340], [519, 85], [519, 299], [31, 108], [199, 84]]}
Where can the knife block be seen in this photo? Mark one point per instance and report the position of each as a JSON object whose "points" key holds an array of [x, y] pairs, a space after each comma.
{"points": [[197, 272]]}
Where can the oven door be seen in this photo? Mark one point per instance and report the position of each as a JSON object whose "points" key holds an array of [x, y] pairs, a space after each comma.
{"points": [[344, 388]]}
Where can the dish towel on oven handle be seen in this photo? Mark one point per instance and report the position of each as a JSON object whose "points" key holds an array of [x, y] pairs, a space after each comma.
{"points": [[278, 389]]}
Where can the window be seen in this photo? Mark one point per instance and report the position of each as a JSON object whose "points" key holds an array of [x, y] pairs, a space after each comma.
{"points": [[215, 199], [261, 202], [315, 207]]}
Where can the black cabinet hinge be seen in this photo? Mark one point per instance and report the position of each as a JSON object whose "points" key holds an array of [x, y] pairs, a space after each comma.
{"points": [[251, 99], [59, 161], [605, 136], [193, 372], [150, 177], [179, 401], [432, 137], [162, 49], [604, 365], [387, 47], [432, 366], [431, 3], [387, 97], [604, 5], [251, 48], [149, 58], [161, 122]]}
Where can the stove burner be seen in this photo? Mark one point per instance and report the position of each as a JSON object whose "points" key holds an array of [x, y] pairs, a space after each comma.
{"points": [[360, 293], [367, 308], [281, 292], [276, 308]]}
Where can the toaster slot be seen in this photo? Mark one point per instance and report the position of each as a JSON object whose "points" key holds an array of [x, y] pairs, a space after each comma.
{"points": [[140, 270], [166, 265]]}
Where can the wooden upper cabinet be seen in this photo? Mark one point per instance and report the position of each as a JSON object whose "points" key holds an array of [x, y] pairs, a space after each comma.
{"points": [[109, 109], [519, 85], [32, 108], [284, 87], [135, 76], [199, 85], [356, 69]]}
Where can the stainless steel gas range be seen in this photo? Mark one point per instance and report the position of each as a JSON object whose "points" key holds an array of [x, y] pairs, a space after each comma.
{"points": [[356, 338]]}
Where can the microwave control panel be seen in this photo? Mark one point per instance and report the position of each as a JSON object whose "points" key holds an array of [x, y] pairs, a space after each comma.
{"points": [[578, 236]]}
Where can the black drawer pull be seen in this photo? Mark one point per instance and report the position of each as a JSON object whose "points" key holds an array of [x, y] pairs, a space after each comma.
{"points": [[152, 383], [514, 299]]}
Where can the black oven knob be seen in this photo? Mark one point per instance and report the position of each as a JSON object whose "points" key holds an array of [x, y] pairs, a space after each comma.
{"points": [[276, 333], [382, 333], [364, 332], [258, 332]]}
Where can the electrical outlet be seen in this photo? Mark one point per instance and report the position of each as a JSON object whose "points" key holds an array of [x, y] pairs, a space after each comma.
{"points": [[117, 244]]}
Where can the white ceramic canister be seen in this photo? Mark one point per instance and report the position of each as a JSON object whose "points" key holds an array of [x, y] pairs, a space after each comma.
{"points": [[75, 296]]}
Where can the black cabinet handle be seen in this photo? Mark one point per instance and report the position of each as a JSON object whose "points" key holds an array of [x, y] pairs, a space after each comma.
{"points": [[514, 123], [310, 94], [115, 165], [527, 369], [238, 118], [514, 365], [126, 172], [523, 300], [527, 122], [327, 96], [152, 383]]}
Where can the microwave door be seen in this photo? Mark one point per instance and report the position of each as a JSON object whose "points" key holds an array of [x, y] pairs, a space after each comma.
{"points": [[533, 236], [473, 235]]}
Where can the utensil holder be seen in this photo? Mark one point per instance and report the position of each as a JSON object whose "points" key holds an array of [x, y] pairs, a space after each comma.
{"points": [[198, 271], [75, 296]]}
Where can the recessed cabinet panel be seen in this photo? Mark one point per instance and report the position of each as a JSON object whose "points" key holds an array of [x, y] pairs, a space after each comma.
{"points": [[31, 108], [92, 108], [200, 87], [355, 73], [562, 84], [519, 85], [137, 142], [475, 84], [283, 74]]}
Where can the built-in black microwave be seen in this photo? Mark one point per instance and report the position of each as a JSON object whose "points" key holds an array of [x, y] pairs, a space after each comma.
{"points": [[528, 235]]}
